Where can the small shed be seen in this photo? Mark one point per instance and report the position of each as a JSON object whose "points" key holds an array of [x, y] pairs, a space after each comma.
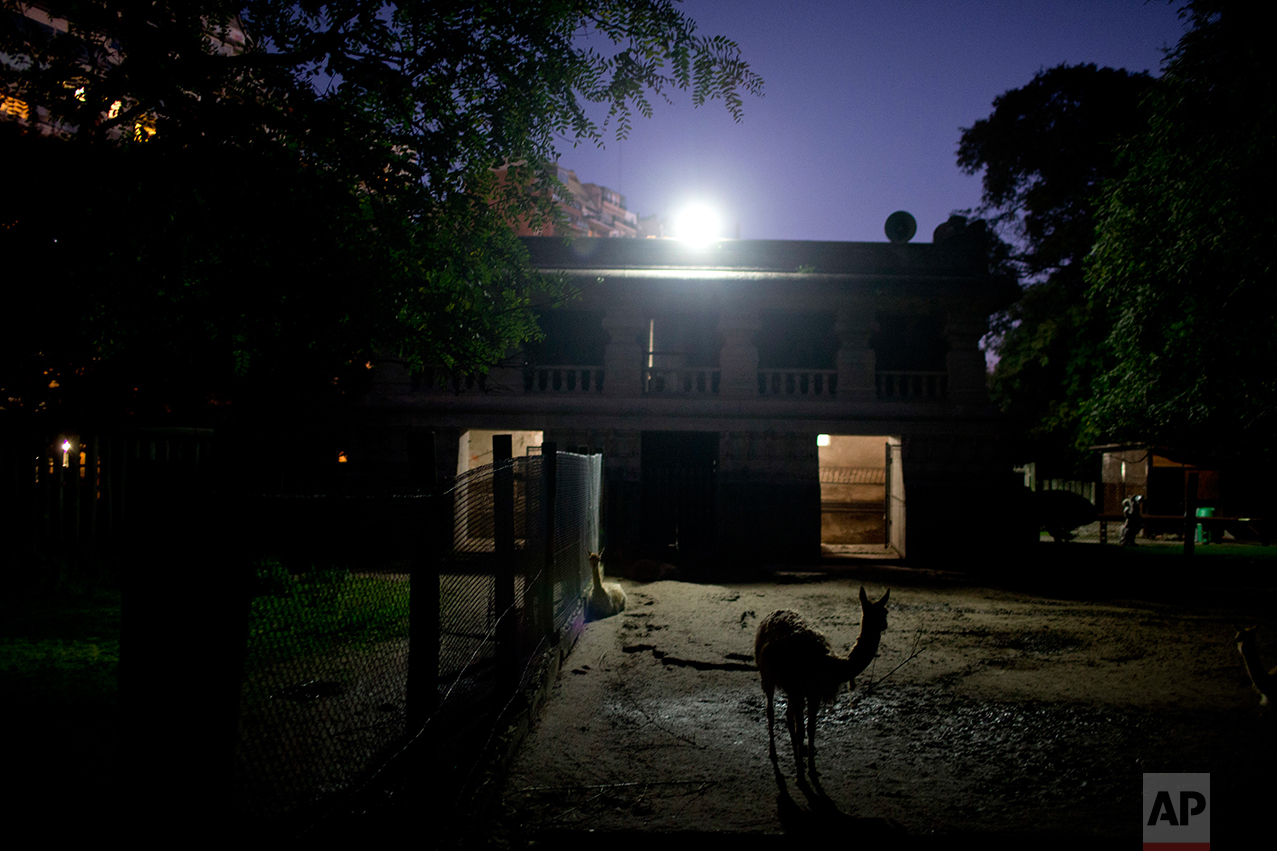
{"points": [[1170, 480]]}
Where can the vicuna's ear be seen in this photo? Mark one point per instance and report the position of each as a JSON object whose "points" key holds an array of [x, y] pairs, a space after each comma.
{"points": [[864, 598], [883, 601]]}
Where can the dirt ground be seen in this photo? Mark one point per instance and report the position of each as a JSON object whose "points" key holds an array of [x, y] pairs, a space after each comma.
{"points": [[1022, 714]]}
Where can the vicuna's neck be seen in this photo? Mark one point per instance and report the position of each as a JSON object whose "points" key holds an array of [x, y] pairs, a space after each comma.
{"points": [[863, 651]]}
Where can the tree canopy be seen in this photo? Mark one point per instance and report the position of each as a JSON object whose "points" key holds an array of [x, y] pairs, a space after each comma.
{"points": [[1182, 266], [1141, 213], [1043, 155], [227, 200]]}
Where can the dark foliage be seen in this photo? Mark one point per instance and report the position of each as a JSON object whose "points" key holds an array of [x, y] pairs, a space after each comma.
{"points": [[222, 203], [1182, 267], [1044, 153]]}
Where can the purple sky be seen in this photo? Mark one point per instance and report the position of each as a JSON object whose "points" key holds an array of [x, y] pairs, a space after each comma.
{"points": [[862, 108]]}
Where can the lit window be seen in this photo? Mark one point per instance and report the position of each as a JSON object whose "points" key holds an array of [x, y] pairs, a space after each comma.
{"points": [[15, 107], [341, 458], [822, 440]]}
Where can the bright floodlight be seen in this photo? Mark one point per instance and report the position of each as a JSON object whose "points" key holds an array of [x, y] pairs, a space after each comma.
{"points": [[697, 225]]}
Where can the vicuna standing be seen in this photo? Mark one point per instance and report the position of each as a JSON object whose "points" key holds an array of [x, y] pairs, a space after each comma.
{"points": [[1264, 680], [796, 658]]}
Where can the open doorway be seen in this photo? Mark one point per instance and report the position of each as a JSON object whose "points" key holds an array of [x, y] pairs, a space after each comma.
{"points": [[857, 493], [472, 494], [475, 447]]}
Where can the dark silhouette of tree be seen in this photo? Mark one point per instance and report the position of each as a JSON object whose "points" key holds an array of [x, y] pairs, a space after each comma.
{"points": [[1044, 152], [224, 201], [1182, 266]]}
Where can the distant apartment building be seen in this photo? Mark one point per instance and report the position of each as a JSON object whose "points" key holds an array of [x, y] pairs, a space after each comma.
{"points": [[32, 28], [591, 210]]}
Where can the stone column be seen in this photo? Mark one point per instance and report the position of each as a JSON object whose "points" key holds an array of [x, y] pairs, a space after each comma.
{"points": [[623, 357], [856, 360], [738, 359], [968, 381]]}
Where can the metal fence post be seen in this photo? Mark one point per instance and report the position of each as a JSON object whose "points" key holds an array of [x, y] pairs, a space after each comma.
{"points": [[422, 692], [503, 570], [185, 610], [550, 474], [1190, 512]]}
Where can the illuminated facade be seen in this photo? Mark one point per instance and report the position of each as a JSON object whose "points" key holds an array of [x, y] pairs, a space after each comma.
{"points": [[704, 377]]}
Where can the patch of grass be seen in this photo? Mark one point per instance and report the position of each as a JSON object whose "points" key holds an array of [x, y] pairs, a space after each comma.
{"points": [[318, 611], [1221, 552], [59, 674], [59, 648]]}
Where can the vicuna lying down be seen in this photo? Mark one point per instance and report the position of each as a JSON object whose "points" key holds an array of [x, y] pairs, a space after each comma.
{"points": [[606, 598]]}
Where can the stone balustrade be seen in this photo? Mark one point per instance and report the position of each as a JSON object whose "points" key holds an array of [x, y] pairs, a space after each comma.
{"points": [[806, 383], [683, 381], [913, 386], [564, 379]]}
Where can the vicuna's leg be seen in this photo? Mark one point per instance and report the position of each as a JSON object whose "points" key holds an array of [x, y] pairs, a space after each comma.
{"points": [[771, 720], [794, 721], [813, 706]]}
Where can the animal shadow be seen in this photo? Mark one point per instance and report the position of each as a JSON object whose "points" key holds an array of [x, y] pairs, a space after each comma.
{"points": [[821, 820]]}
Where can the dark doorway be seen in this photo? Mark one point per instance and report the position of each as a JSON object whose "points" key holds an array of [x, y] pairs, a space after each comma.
{"points": [[679, 471]]}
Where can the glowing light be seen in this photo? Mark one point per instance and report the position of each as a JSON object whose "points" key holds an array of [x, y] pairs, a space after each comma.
{"points": [[341, 458], [66, 446], [114, 110], [697, 225], [822, 440]]}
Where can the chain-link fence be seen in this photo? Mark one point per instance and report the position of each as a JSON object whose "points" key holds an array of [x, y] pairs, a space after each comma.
{"points": [[377, 619]]}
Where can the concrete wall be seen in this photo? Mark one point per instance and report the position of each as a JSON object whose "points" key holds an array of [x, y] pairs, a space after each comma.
{"points": [[769, 503]]}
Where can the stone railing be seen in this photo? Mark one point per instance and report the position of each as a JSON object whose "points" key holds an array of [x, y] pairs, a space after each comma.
{"points": [[685, 381], [913, 386], [808, 383], [436, 379], [563, 379]]}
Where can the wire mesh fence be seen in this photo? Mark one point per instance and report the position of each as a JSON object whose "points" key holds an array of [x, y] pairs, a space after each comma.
{"points": [[381, 618]]}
